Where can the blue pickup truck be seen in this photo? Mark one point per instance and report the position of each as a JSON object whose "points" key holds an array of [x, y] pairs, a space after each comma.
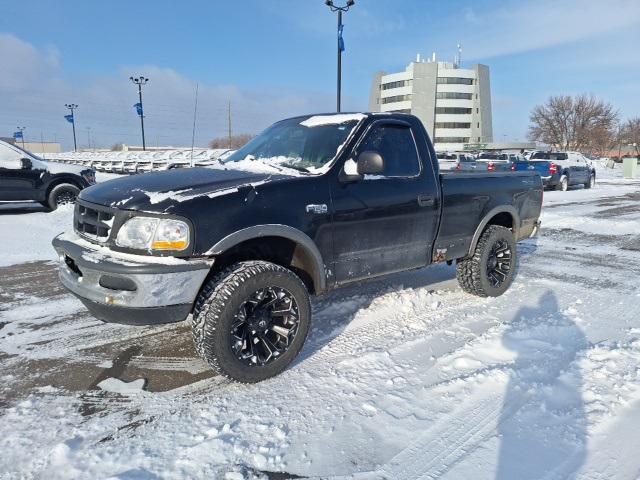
{"points": [[559, 170]]}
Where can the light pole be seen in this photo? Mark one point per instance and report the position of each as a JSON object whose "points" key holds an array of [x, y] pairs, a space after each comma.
{"points": [[89, 137], [140, 81], [21, 130], [72, 118], [340, 10]]}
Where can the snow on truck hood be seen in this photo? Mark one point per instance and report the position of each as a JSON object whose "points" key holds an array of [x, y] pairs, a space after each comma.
{"points": [[159, 191]]}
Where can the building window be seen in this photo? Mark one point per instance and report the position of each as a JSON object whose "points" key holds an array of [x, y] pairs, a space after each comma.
{"points": [[454, 95], [455, 80], [451, 140], [452, 125], [398, 84], [453, 110], [478, 124], [396, 98], [403, 110]]}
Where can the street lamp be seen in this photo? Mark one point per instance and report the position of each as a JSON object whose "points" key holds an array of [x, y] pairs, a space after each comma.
{"points": [[140, 81], [89, 137], [340, 10], [21, 130], [71, 118]]}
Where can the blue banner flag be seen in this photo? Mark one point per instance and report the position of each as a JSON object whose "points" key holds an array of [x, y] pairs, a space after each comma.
{"points": [[17, 135], [138, 108], [340, 39], [69, 118]]}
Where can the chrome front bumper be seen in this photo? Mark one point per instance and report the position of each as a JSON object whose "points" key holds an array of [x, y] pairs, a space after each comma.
{"points": [[129, 288]]}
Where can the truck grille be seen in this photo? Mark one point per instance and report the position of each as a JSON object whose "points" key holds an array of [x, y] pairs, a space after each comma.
{"points": [[93, 222]]}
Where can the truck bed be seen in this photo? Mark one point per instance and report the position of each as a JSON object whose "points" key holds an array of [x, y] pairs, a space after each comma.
{"points": [[469, 198]]}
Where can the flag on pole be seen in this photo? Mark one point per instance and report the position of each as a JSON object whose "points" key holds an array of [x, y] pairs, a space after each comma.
{"points": [[69, 118], [17, 135], [138, 107], [340, 39]]}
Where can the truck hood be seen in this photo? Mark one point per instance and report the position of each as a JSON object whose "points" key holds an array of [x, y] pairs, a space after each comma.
{"points": [[159, 191], [55, 168]]}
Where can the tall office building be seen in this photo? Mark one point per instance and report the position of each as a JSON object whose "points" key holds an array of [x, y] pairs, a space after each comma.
{"points": [[453, 103]]}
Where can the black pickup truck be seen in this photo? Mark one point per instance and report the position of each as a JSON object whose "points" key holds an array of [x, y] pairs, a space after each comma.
{"points": [[312, 203], [23, 176]]}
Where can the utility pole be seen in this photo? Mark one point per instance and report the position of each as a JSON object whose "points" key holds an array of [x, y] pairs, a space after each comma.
{"points": [[72, 119], [229, 122], [340, 10], [140, 81], [89, 137], [21, 130]]}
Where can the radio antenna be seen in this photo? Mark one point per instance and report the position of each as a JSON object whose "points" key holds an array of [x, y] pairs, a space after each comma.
{"points": [[193, 133]]}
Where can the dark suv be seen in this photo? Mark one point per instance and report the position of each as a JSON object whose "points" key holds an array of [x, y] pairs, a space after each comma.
{"points": [[23, 176]]}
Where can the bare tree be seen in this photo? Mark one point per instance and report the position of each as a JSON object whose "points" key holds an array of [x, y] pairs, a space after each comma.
{"points": [[233, 143], [630, 133], [574, 123]]}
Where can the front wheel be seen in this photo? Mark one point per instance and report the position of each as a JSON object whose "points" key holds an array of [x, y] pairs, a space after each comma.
{"points": [[62, 194], [251, 320], [490, 270]]}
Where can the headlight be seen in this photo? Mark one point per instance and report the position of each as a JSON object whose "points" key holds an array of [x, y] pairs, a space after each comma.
{"points": [[90, 177], [148, 233]]}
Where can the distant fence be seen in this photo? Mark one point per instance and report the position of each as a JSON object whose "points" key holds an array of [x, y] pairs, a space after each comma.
{"points": [[140, 161]]}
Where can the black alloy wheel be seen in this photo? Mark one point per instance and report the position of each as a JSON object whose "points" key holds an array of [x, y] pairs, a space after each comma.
{"points": [[499, 263], [65, 197], [265, 326]]}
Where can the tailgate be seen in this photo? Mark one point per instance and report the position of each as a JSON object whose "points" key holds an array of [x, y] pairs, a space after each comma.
{"points": [[542, 167]]}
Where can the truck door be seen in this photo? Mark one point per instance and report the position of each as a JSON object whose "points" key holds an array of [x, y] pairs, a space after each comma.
{"points": [[385, 223], [582, 168], [17, 179]]}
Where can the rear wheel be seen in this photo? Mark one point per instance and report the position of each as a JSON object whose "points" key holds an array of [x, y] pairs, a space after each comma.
{"points": [[251, 320], [490, 270], [591, 182], [62, 194], [564, 184]]}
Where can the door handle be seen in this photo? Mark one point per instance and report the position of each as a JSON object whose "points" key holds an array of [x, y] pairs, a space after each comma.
{"points": [[426, 200]]}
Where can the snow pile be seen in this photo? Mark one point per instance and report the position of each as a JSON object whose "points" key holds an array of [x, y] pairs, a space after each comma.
{"points": [[28, 230], [115, 385]]}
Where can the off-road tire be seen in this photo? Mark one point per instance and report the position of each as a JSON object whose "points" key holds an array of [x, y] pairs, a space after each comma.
{"points": [[591, 182], [64, 189], [217, 305], [471, 272]]}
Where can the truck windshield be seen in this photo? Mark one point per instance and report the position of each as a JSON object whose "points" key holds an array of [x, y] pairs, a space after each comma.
{"points": [[306, 144]]}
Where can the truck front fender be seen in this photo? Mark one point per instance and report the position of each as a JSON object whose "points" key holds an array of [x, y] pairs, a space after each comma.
{"points": [[302, 240]]}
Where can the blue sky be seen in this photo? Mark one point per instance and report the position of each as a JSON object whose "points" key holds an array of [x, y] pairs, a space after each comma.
{"points": [[277, 58]]}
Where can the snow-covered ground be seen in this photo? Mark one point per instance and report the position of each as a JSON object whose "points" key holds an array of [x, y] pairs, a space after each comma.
{"points": [[404, 377]]}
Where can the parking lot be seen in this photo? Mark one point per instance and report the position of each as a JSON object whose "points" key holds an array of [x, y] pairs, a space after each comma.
{"points": [[556, 358]]}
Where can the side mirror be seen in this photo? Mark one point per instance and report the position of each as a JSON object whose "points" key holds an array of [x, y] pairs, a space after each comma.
{"points": [[370, 163], [26, 164]]}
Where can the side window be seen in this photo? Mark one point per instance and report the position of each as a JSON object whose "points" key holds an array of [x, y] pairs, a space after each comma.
{"points": [[398, 149], [9, 158]]}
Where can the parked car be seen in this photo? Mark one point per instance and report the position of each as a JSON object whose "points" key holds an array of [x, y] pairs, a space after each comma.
{"points": [[23, 176], [560, 170], [328, 200], [497, 161], [461, 162]]}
